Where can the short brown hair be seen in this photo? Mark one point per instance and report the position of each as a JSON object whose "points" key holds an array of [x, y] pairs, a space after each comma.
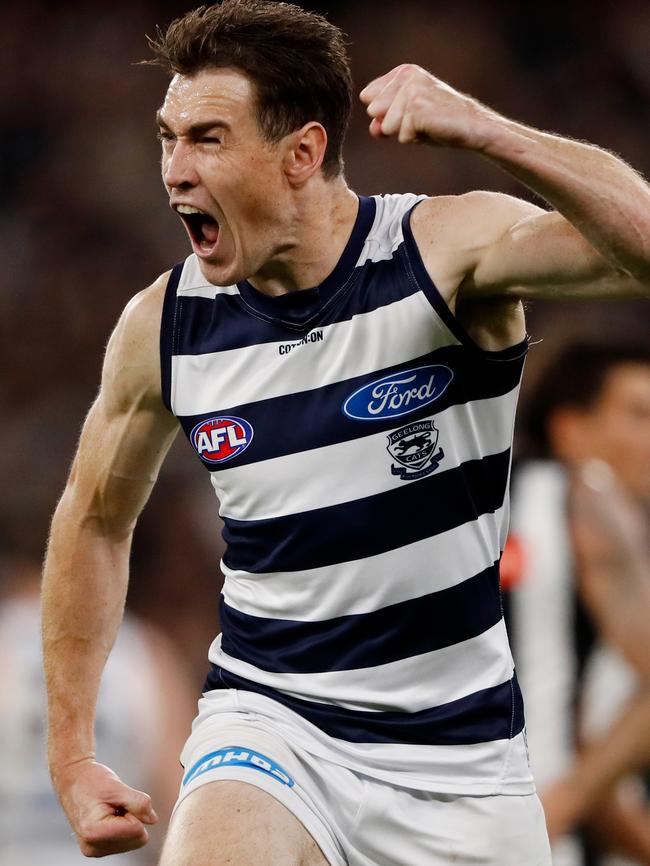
{"points": [[296, 60]]}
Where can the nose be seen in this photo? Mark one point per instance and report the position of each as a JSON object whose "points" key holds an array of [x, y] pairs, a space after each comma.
{"points": [[178, 166]]}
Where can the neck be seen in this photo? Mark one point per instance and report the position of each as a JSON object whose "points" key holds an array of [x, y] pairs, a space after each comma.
{"points": [[313, 236]]}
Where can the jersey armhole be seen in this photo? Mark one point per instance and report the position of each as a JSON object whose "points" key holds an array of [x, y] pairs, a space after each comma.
{"points": [[420, 275], [168, 334]]}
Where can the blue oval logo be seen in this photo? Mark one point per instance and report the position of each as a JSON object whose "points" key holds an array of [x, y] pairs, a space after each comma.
{"points": [[398, 393], [222, 438]]}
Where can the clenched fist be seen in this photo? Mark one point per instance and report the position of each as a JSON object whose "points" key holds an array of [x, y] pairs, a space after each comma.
{"points": [[107, 816], [410, 104]]}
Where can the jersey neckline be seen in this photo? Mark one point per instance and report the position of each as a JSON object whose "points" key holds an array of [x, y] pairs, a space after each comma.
{"points": [[301, 306]]}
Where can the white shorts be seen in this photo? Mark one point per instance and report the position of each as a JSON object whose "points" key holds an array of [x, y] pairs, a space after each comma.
{"points": [[357, 820]]}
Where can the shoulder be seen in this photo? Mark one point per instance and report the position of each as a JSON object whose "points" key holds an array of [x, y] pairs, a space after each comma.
{"points": [[452, 232], [481, 214], [132, 362]]}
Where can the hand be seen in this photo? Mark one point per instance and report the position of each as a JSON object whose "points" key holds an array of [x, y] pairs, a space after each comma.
{"points": [[565, 805], [106, 815], [410, 104]]}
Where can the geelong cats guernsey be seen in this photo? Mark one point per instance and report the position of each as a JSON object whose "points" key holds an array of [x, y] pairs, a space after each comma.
{"points": [[359, 444]]}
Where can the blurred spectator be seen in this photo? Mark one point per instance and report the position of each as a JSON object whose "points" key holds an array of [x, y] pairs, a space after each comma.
{"points": [[580, 612], [144, 711]]}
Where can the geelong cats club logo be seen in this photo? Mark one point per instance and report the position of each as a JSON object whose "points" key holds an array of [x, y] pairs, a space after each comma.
{"points": [[414, 448], [222, 438]]}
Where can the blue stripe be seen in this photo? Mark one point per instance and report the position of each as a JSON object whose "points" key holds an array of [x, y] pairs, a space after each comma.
{"points": [[398, 631], [315, 418], [300, 310], [167, 325], [418, 275], [371, 525], [228, 322], [491, 714]]}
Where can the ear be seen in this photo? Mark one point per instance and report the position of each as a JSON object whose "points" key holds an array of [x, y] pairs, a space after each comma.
{"points": [[304, 153]]}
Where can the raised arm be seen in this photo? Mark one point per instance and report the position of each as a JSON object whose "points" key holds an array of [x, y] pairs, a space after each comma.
{"points": [[596, 243], [124, 440]]}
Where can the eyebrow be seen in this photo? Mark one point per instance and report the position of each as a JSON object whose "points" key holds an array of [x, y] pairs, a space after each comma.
{"points": [[195, 128]]}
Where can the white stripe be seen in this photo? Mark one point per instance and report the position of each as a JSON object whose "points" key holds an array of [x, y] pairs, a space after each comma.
{"points": [[387, 234], [364, 585], [208, 291], [193, 284], [218, 380], [330, 475], [407, 685], [470, 768]]}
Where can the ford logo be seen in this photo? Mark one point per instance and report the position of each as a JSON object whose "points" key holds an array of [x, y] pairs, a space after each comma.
{"points": [[398, 393]]}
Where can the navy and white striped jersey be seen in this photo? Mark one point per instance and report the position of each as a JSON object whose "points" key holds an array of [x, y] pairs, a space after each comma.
{"points": [[359, 444]]}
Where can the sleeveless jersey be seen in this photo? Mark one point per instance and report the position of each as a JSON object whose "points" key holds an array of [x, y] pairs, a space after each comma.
{"points": [[359, 443]]}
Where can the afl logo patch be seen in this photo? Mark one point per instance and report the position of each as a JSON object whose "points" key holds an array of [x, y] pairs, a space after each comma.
{"points": [[398, 393], [222, 438]]}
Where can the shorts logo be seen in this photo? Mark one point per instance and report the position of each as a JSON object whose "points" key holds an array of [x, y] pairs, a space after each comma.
{"points": [[414, 448], [236, 756], [398, 393], [222, 438]]}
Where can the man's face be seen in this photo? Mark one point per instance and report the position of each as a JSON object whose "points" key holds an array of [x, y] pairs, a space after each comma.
{"points": [[215, 160], [617, 427]]}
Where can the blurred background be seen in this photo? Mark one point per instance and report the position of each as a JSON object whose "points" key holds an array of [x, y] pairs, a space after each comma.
{"points": [[84, 224]]}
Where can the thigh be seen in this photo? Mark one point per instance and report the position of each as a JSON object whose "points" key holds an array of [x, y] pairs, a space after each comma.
{"points": [[228, 822]]}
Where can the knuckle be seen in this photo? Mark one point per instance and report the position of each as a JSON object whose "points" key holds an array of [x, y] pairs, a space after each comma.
{"points": [[141, 800], [84, 830]]}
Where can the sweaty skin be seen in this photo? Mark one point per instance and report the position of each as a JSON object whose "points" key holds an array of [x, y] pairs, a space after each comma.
{"points": [[283, 225]]}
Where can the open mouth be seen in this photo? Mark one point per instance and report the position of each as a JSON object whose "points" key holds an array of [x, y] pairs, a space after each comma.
{"points": [[201, 227]]}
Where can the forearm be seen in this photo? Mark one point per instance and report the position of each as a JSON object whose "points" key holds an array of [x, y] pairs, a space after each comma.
{"points": [[609, 534], [623, 621], [84, 589], [605, 199], [590, 783], [624, 749], [622, 827]]}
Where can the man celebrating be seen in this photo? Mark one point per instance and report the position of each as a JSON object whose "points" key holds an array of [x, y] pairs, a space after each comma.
{"points": [[362, 706]]}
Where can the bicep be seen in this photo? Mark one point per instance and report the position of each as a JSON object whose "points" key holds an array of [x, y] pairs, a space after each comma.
{"points": [[539, 254]]}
